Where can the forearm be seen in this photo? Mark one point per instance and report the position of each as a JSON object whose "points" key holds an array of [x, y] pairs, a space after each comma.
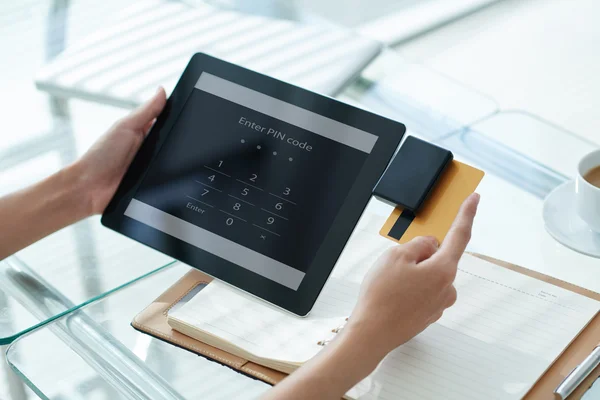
{"points": [[39, 210], [336, 369]]}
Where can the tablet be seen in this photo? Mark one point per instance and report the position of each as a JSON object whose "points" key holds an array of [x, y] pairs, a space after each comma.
{"points": [[253, 181]]}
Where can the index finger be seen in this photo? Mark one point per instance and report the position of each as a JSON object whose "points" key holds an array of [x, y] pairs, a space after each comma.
{"points": [[458, 236]]}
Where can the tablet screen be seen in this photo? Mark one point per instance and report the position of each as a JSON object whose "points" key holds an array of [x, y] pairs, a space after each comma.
{"points": [[251, 178]]}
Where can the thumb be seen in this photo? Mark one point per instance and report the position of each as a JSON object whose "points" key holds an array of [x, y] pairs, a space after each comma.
{"points": [[140, 118], [420, 248]]}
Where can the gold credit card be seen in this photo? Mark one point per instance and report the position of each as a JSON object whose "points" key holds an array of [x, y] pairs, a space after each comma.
{"points": [[439, 210]]}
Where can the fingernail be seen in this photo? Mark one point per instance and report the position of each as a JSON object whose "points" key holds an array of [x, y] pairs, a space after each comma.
{"points": [[477, 197], [158, 89]]}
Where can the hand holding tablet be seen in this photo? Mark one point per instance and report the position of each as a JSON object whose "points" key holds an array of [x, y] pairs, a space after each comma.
{"points": [[254, 181]]}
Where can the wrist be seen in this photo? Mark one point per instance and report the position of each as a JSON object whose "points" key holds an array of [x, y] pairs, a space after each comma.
{"points": [[365, 337], [76, 191]]}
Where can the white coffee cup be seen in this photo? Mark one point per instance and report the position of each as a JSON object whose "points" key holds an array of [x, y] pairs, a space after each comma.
{"points": [[587, 196]]}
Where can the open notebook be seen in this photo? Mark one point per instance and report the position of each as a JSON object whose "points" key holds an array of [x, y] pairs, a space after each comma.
{"points": [[503, 333]]}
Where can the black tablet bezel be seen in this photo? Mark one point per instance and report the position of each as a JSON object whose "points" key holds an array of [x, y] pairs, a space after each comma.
{"points": [[298, 302]]}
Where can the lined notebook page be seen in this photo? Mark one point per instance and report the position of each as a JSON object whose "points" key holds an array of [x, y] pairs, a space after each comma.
{"points": [[501, 335]]}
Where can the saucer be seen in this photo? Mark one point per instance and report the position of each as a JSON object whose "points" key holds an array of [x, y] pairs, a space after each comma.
{"points": [[564, 225]]}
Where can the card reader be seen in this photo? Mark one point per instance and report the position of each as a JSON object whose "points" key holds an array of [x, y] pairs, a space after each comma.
{"points": [[412, 174]]}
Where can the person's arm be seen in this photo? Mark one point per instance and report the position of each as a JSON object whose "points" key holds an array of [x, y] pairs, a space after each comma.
{"points": [[408, 289], [79, 190]]}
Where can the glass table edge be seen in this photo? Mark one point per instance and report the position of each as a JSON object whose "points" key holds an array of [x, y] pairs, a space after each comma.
{"points": [[8, 340], [24, 378]]}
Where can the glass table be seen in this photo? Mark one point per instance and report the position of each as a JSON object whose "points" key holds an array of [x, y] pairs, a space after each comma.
{"points": [[99, 355], [40, 135], [84, 261], [69, 269], [94, 352]]}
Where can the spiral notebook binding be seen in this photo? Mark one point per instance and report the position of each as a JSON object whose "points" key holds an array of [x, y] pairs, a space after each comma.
{"points": [[334, 330]]}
